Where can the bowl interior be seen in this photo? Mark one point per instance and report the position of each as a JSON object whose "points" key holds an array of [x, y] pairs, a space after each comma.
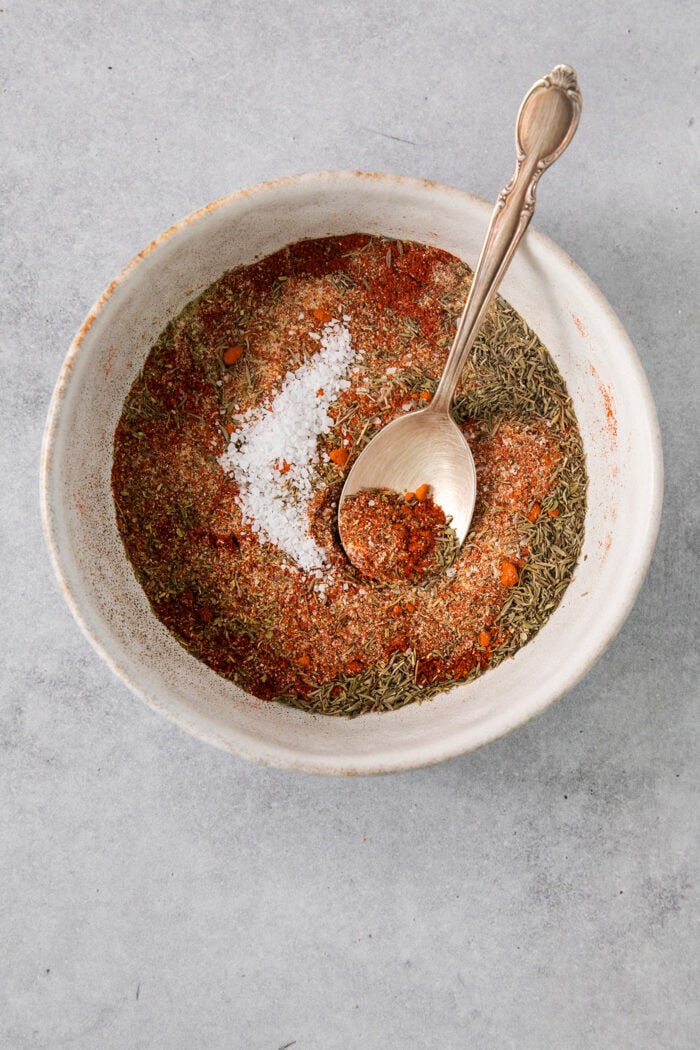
{"points": [[616, 417]]}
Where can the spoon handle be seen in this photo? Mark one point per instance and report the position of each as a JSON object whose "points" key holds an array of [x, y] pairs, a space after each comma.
{"points": [[547, 120]]}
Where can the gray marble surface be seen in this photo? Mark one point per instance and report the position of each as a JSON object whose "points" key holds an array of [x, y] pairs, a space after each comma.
{"points": [[541, 893]]}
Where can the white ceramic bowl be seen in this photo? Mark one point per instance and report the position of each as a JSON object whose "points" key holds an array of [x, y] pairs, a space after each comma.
{"points": [[615, 412]]}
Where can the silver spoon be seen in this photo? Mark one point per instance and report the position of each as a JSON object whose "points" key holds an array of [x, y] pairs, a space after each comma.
{"points": [[427, 446]]}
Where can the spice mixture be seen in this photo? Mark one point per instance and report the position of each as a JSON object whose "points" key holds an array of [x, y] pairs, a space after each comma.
{"points": [[235, 440], [395, 538]]}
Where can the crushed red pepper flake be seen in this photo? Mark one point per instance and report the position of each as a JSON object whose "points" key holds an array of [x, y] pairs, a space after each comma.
{"points": [[339, 456], [233, 354]]}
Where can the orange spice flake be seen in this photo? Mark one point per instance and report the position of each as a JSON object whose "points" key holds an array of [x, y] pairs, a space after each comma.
{"points": [[233, 354], [509, 573], [339, 456]]}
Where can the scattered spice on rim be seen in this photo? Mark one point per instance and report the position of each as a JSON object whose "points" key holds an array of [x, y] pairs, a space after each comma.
{"points": [[236, 438]]}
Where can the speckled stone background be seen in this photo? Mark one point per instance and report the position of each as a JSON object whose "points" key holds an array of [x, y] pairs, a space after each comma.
{"points": [[155, 893]]}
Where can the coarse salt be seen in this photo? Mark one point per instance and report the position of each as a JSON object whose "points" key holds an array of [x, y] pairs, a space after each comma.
{"points": [[286, 429]]}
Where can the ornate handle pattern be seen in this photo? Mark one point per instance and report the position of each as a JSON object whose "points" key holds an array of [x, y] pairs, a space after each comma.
{"points": [[547, 119]]}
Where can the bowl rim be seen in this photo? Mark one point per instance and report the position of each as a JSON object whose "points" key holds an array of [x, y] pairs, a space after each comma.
{"points": [[410, 759]]}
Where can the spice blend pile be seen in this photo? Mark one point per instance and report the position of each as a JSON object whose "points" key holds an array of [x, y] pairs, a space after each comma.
{"points": [[236, 438], [396, 538]]}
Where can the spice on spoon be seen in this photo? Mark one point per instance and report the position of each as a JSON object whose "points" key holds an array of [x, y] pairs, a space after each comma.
{"points": [[395, 538]]}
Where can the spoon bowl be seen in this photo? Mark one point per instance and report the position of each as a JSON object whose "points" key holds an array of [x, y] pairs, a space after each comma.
{"points": [[427, 447]]}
